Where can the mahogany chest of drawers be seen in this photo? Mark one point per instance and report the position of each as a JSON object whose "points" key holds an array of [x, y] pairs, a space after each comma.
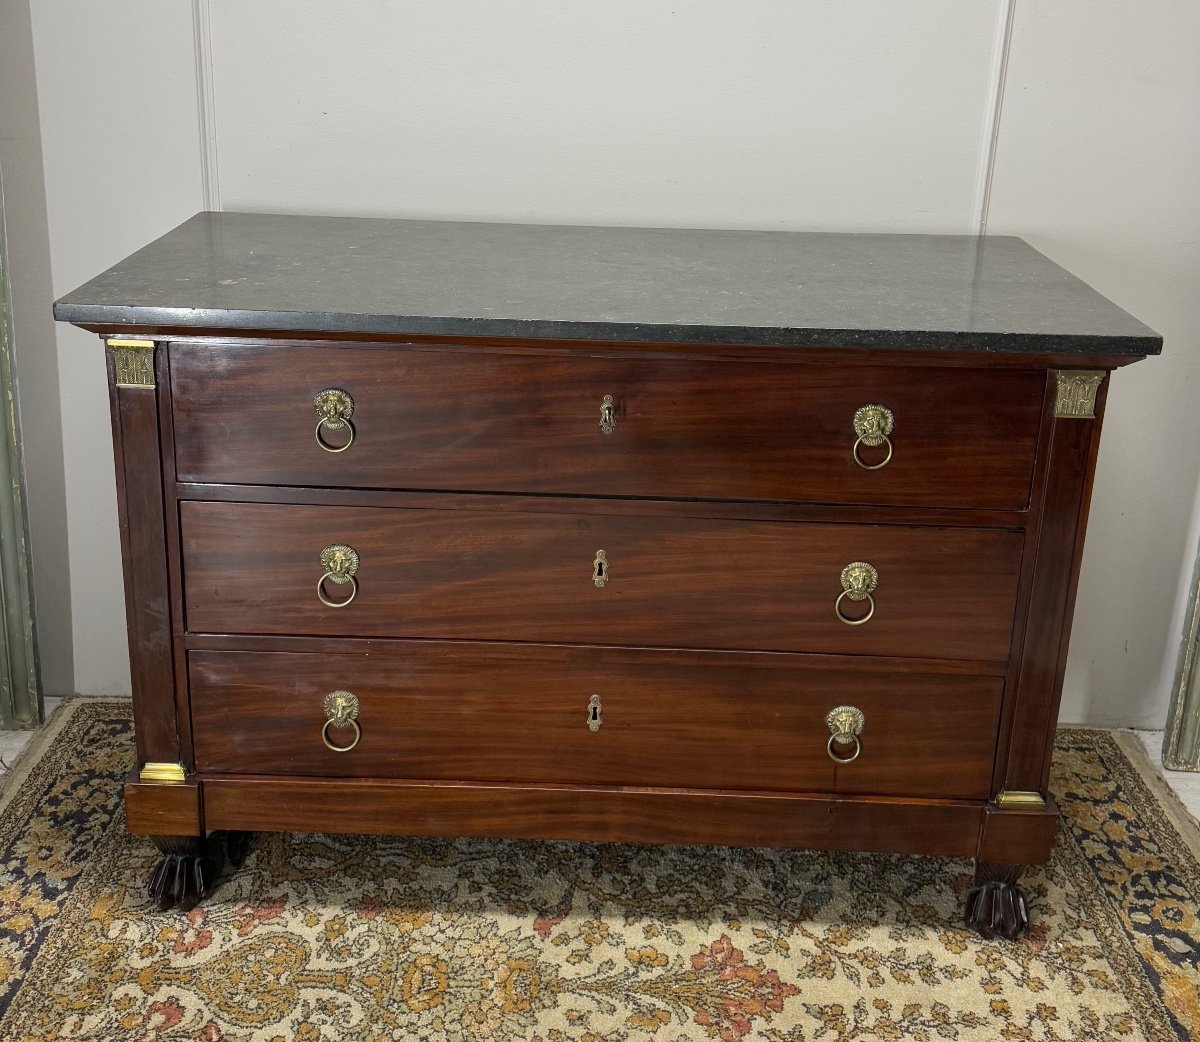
{"points": [[600, 534]]}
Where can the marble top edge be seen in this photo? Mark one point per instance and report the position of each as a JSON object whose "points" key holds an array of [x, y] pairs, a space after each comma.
{"points": [[299, 323], [394, 276]]}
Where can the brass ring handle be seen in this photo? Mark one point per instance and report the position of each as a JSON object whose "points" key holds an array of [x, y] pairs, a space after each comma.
{"points": [[859, 580], [341, 711], [331, 448], [837, 609], [332, 603], [341, 748], [873, 424], [858, 459], [340, 563], [334, 409], [845, 724], [844, 759]]}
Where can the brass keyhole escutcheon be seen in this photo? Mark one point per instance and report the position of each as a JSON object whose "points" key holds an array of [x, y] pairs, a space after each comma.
{"points": [[600, 569], [334, 409], [845, 724], [594, 717], [608, 414], [873, 424]]}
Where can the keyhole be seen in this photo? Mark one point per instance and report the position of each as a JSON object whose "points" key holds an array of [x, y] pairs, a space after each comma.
{"points": [[593, 718], [600, 568]]}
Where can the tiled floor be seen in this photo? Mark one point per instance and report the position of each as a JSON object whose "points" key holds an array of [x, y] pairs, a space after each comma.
{"points": [[12, 743], [1185, 784]]}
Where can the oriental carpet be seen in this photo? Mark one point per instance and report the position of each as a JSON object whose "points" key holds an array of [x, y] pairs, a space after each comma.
{"points": [[362, 938]]}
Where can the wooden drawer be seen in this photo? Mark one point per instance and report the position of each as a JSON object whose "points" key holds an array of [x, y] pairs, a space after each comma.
{"points": [[450, 419], [431, 710], [669, 582]]}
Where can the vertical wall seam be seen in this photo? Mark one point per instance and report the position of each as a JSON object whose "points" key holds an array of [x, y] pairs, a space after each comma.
{"points": [[206, 108], [991, 126]]}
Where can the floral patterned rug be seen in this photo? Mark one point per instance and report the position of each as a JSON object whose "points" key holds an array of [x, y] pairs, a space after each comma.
{"points": [[361, 938]]}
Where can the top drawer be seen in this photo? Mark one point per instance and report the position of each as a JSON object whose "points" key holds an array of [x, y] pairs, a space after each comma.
{"points": [[451, 419]]}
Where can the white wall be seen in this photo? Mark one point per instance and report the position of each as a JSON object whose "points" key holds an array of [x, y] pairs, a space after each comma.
{"points": [[763, 114], [34, 337], [117, 91], [1098, 166], [711, 112]]}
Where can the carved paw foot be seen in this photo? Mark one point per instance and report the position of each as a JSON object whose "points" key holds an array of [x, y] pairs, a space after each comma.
{"points": [[191, 865], [186, 873], [995, 905]]}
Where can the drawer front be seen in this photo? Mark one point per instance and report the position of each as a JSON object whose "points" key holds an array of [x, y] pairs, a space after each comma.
{"points": [[680, 719], [449, 419], [666, 582]]}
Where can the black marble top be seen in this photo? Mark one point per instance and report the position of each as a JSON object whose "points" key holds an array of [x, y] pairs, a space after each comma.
{"points": [[347, 274]]}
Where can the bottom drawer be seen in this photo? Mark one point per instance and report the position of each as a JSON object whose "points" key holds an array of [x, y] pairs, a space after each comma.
{"points": [[594, 716]]}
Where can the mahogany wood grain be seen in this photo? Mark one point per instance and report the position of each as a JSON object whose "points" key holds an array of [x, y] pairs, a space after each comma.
{"points": [[166, 432], [164, 810], [148, 602], [520, 713], [453, 420], [943, 593], [732, 510], [1032, 527], [355, 646], [1063, 512], [615, 815], [726, 499], [1018, 837]]}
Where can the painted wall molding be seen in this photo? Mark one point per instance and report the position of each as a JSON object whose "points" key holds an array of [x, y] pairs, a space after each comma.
{"points": [[1181, 744], [206, 105], [20, 675], [1002, 45]]}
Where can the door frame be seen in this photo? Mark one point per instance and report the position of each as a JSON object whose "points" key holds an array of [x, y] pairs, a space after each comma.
{"points": [[20, 673], [1181, 743]]}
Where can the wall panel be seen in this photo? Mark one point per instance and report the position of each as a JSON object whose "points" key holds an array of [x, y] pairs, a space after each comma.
{"points": [[1097, 165], [116, 90], [765, 114]]}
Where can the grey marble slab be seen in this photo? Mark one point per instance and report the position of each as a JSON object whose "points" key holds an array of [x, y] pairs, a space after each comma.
{"points": [[368, 275]]}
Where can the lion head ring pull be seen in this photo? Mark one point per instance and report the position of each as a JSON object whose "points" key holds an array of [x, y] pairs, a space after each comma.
{"points": [[845, 724], [341, 712], [873, 424], [859, 580], [340, 564], [334, 409]]}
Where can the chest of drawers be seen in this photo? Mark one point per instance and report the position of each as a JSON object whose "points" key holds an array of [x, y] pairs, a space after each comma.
{"points": [[600, 534]]}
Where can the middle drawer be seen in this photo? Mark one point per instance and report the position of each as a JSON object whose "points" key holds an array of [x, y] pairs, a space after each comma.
{"points": [[563, 578]]}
